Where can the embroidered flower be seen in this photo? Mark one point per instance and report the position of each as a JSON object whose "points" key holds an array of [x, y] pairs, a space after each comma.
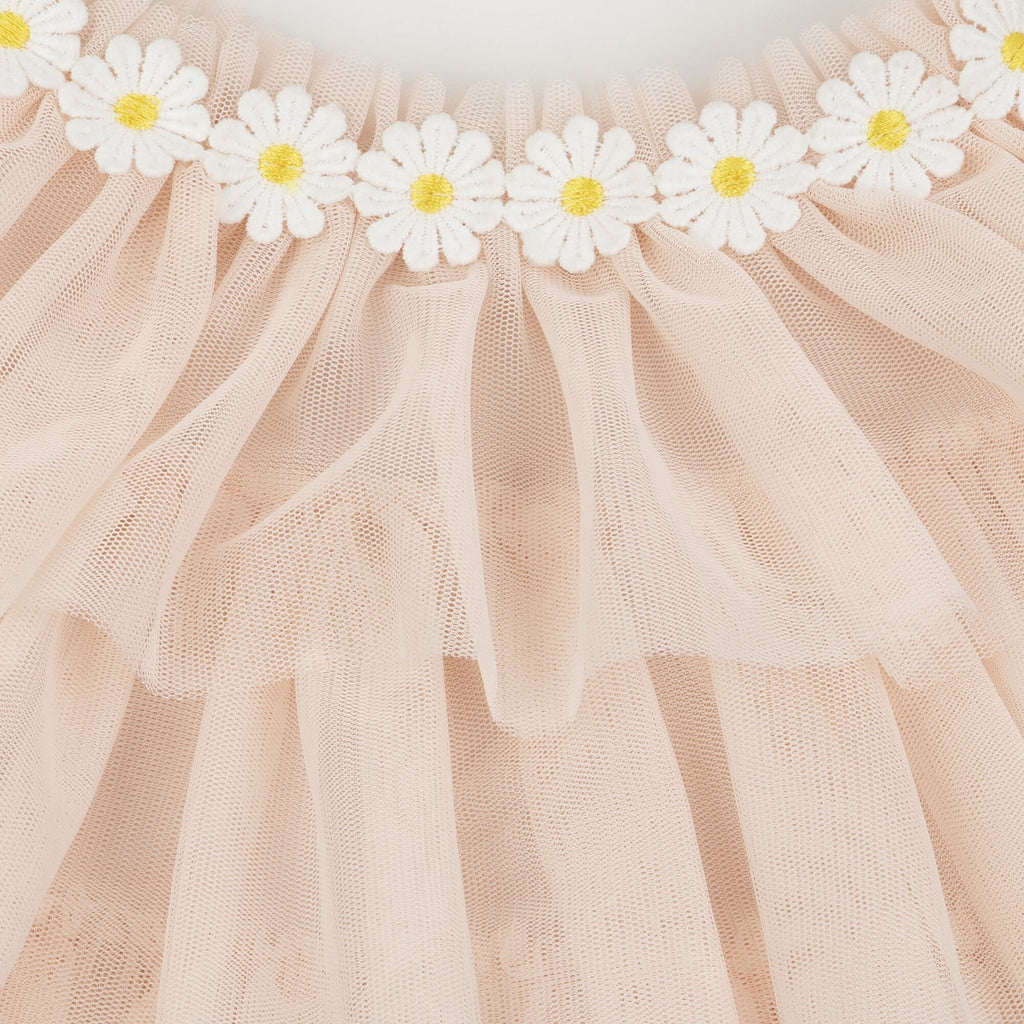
{"points": [[732, 176], [575, 196], [38, 42], [131, 107], [890, 129], [992, 80], [436, 189], [281, 163]]}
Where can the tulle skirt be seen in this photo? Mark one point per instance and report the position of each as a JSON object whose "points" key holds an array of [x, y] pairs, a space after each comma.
{"points": [[497, 645]]}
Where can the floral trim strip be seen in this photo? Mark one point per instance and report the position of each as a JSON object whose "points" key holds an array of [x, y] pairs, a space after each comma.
{"points": [[433, 190]]}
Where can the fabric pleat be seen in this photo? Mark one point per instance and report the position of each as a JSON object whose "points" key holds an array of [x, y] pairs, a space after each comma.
{"points": [[496, 644]]}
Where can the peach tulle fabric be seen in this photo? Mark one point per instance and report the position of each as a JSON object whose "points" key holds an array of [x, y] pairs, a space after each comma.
{"points": [[501, 646]]}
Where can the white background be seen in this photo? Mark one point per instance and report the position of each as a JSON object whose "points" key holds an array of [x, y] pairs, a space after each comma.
{"points": [[466, 40]]}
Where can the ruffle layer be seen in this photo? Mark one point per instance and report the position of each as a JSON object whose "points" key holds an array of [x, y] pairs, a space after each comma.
{"points": [[637, 645]]}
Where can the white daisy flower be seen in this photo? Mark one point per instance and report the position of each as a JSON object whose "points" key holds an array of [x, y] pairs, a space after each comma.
{"points": [[281, 163], [992, 80], [135, 108], [38, 42], [436, 189], [575, 195], [891, 128], [732, 177]]}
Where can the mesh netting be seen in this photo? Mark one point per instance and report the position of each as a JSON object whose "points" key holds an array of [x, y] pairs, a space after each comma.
{"points": [[497, 645]]}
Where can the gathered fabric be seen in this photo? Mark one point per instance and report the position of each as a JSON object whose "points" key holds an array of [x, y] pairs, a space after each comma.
{"points": [[512, 641]]}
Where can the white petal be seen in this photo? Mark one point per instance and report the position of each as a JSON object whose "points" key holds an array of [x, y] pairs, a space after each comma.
{"points": [[933, 94], [543, 244], [786, 146], [177, 146], [547, 151], [868, 74], [527, 182], [789, 180], [303, 217], [161, 60], [459, 245], [969, 43], [327, 188], [371, 201], [381, 171], [842, 167], [610, 234], [948, 123], [231, 136], [909, 177], [777, 213], [151, 158], [267, 217], [580, 137], [327, 125], [906, 69], [745, 233], [388, 234], [124, 57], [88, 132], [980, 75], [183, 88], [616, 151], [690, 142], [65, 16], [631, 209], [227, 167], [77, 102], [239, 198], [943, 159], [46, 59], [438, 134], [292, 107], [94, 76], [401, 140], [877, 173], [680, 210], [256, 109], [192, 122], [479, 215], [421, 249], [676, 176], [13, 81], [831, 135], [577, 253], [757, 120], [633, 180], [487, 182], [522, 217], [841, 100], [998, 100], [472, 152], [114, 154], [719, 120], [985, 13], [712, 227]]}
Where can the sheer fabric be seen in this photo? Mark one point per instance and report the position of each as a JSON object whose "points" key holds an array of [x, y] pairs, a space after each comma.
{"points": [[501, 645]]}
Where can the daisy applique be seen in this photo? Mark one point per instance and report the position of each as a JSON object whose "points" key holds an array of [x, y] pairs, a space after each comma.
{"points": [[435, 190], [732, 176], [993, 47], [135, 108], [891, 128], [577, 194], [281, 163], [38, 42]]}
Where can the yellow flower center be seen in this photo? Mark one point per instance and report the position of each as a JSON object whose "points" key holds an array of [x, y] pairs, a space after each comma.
{"points": [[581, 196], [431, 193], [888, 129], [137, 110], [14, 30], [733, 176], [1013, 51], [281, 164]]}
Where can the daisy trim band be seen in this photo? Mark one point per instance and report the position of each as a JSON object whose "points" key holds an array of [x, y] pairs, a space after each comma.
{"points": [[434, 190]]}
